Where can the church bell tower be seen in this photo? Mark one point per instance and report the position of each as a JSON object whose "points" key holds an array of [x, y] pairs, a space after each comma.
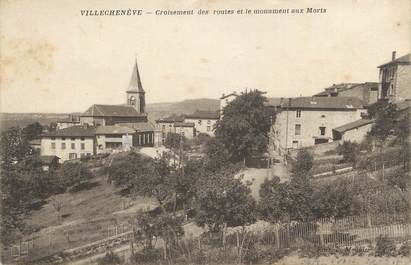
{"points": [[135, 92]]}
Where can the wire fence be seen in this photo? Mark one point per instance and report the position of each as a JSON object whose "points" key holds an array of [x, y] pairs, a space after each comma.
{"points": [[96, 236]]}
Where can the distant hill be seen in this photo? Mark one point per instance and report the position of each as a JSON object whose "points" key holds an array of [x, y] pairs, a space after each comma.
{"points": [[8, 120], [158, 110], [154, 110]]}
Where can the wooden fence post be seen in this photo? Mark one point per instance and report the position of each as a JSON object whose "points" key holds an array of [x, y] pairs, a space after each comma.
{"points": [[277, 237]]}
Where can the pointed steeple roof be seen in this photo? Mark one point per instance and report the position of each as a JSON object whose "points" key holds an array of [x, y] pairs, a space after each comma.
{"points": [[135, 82]]}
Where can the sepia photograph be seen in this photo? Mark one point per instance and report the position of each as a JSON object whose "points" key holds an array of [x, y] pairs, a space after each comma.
{"points": [[205, 132]]}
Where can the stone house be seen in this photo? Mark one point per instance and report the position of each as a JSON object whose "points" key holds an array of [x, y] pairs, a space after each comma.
{"points": [[307, 121], [186, 129], [355, 131], [204, 121], [395, 79], [69, 143]]}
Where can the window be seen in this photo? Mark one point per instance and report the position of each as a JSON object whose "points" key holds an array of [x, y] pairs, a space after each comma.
{"points": [[63, 139], [392, 90], [164, 127], [72, 156], [322, 116], [199, 122], [53, 138], [53, 145], [73, 139], [208, 122], [182, 133], [295, 144], [73, 146], [63, 146], [322, 130], [298, 113], [82, 138], [297, 129], [83, 146], [208, 128]]}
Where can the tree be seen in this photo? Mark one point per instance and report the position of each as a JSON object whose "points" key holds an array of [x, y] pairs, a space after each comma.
{"points": [[224, 201], [299, 188], [386, 115], [14, 146], [216, 155], [173, 140], [400, 178], [125, 170], [73, 174], [244, 127], [349, 151], [33, 131], [273, 203], [303, 162]]}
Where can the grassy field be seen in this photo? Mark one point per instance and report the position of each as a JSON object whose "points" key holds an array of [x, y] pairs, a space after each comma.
{"points": [[87, 215]]}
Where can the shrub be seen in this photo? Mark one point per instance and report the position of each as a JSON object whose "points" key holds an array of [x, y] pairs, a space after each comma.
{"points": [[251, 255], [384, 246], [110, 259], [405, 249], [200, 257], [147, 255]]}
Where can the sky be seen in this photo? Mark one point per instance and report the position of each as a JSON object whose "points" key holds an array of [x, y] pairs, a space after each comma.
{"points": [[52, 59]]}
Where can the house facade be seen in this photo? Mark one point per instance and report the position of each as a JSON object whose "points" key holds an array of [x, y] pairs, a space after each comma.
{"points": [[186, 129], [204, 121], [166, 126], [112, 138], [69, 143], [306, 121], [395, 79], [69, 122]]}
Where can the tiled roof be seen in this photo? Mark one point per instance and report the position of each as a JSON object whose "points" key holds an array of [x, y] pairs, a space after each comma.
{"points": [[171, 119], [74, 131], [211, 115], [112, 111], [114, 129], [183, 124], [138, 126], [273, 102], [400, 60], [344, 87], [323, 103], [353, 125]]}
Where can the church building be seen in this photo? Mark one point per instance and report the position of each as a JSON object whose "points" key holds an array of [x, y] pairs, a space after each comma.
{"points": [[131, 112]]}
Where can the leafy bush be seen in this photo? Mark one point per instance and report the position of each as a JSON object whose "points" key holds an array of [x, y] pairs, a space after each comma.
{"points": [[110, 259], [147, 255], [405, 249], [384, 246], [252, 254], [200, 257], [349, 151]]}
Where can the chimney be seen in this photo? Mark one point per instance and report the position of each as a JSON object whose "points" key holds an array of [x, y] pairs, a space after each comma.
{"points": [[393, 55]]}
